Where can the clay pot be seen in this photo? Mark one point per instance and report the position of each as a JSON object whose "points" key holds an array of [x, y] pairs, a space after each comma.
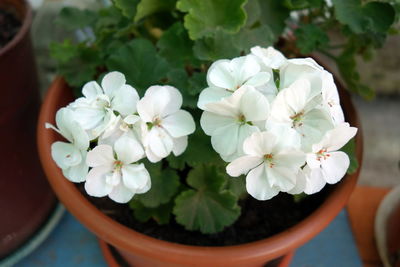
{"points": [[141, 250], [26, 198]]}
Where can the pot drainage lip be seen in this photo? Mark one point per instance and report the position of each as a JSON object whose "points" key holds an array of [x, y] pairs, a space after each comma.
{"points": [[37, 239]]}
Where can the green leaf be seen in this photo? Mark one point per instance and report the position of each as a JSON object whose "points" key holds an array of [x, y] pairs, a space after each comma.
{"points": [[160, 214], [176, 47], [198, 152], [374, 16], [350, 150], [180, 80], [302, 4], [164, 185], [206, 16], [140, 63], [299, 197], [207, 207], [127, 7], [348, 69], [310, 37], [69, 56], [197, 82], [247, 38], [253, 12], [274, 14], [237, 186], [219, 46], [72, 18], [149, 7]]}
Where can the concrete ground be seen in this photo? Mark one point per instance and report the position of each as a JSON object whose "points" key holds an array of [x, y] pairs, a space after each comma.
{"points": [[381, 129]]}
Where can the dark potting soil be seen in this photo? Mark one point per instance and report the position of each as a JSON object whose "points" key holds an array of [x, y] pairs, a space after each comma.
{"points": [[259, 220], [9, 26]]}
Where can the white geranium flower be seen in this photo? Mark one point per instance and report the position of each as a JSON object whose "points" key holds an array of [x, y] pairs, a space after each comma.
{"points": [[165, 126], [270, 164], [119, 127], [95, 111], [302, 68], [297, 107], [328, 163], [70, 157], [230, 121], [226, 76], [115, 172], [270, 57], [330, 97]]}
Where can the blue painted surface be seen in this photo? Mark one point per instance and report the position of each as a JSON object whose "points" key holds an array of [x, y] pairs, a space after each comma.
{"points": [[72, 245], [335, 246]]}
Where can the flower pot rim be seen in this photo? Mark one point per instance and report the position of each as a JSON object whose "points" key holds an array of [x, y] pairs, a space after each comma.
{"points": [[127, 239], [26, 22]]}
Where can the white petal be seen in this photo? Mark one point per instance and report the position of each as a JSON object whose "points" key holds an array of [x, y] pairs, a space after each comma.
{"points": [[77, 174], [245, 131], [179, 124], [65, 155], [312, 161], [174, 102], [128, 149], [64, 116], [315, 181], [243, 165], [220, 75], [292, 159], [270, 57], [210, 122], [257, 184], [121, 194], [259, 144], [95, 184], [125, 100], [159, 142], [112, 82], [281, 177], [300, 183], [135, 176], [260, 79], [338, 137], [297, 94], [287, 136], [244, 68], [180, 145], [89, 117], [335, 166], [254, 105], [151, 156], [211, 95], [131, 119], [224, 140], [91, 89], [101, 155]]}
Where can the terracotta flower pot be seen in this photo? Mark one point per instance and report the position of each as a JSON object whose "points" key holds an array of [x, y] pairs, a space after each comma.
{"points": [[141, 250], [26, 199]]}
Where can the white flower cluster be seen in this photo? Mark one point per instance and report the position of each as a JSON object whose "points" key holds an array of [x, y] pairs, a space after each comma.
{"points": [[277, 120], [123, 130]]}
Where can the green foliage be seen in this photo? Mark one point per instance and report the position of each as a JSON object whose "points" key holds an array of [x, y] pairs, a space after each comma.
{"points": [[127, 7], [372, 16], [161, 214], [206, 16], [274, 14], [164, 185], [207, 207], [72, 18], [350, 150], [149, 7], [140, 63], [310, 38], [69, 56], [176, 47]]}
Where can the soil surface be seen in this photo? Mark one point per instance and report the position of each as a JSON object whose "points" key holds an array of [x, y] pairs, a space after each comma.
{"points": [[259, 220], [9, 26]]}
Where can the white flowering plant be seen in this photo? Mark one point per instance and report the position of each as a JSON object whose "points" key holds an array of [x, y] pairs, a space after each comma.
{"points": [[264, 124]]}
